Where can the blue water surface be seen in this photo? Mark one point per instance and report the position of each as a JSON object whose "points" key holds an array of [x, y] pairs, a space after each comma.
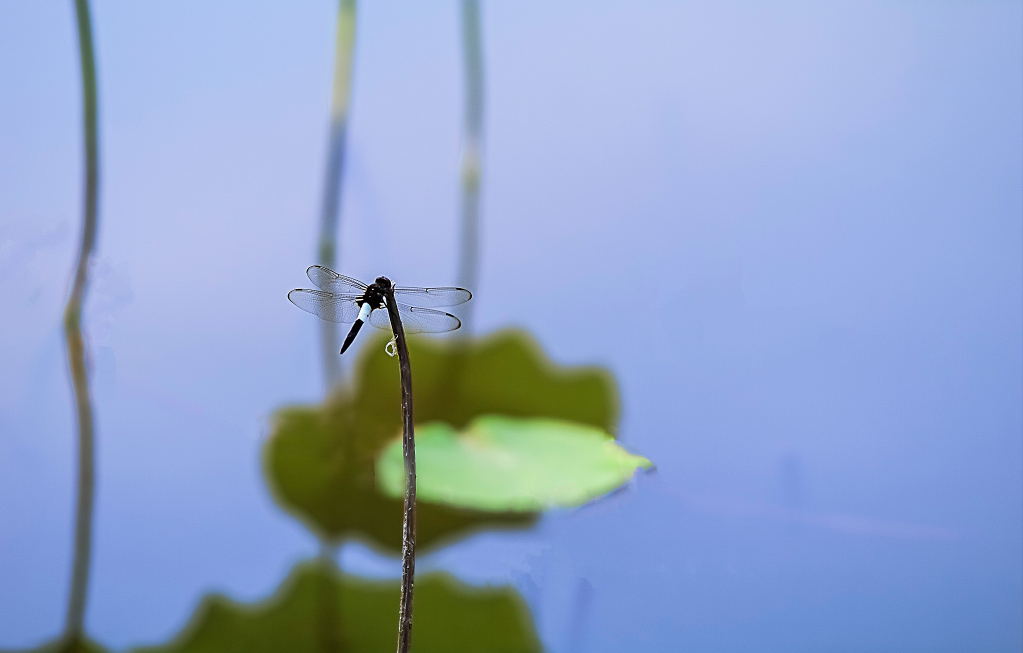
{"points": [[792, 230]]}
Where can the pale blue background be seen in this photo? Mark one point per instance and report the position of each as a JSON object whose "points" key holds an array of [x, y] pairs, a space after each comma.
{"points": [[793, 231]]}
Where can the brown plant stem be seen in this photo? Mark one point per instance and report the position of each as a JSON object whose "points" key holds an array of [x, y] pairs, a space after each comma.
{"points": [[330, 208], [408, 442], [76, 346]]}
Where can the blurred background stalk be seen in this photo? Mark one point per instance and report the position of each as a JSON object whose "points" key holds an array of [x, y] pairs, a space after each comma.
{"points": [[327, 244], [329, 630], [76, 346], [471, 165]]}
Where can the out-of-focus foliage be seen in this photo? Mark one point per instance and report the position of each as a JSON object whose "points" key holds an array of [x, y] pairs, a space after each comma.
{"points": [[328, 481], [77, 645], [318, 610], [508, 463], [321, 460], [551, 423]]}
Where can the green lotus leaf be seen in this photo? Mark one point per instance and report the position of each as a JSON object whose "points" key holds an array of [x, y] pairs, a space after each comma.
{"points": [[320, 476], [317, 609], [320, 461], [506, 463]]}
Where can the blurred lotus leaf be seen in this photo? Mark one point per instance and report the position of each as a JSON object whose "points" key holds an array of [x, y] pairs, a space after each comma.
{"points": [[321, 460], [317, 610], [509, 463]]}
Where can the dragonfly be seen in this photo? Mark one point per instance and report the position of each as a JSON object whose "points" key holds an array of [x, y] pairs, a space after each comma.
{"points": [[343, 299]]}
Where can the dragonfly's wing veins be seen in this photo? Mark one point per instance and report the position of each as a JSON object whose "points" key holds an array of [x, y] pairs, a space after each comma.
{"points": [[327, 306], [326, 279], [432, 297], [416, 320], [427, 320], [379, 319]]}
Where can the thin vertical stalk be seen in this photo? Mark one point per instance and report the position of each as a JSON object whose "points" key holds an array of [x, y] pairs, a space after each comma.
{"points": [[330, 210], [408, 447], [328, 622], [471, 165], [76, 346]]}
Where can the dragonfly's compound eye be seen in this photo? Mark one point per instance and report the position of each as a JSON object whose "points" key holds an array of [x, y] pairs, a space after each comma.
{"points": [[383, 282]]}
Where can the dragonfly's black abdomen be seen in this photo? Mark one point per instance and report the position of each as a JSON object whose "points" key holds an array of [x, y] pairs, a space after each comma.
{"points": [[351, 335]]}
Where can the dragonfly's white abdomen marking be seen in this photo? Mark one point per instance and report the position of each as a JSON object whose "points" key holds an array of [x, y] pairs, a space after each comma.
{"points": [[364, 312]]}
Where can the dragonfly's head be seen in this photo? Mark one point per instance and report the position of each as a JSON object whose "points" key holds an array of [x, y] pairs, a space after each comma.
{"points": [[383, 282]]}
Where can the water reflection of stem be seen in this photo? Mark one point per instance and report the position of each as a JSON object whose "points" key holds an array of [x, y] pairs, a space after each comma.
{"points": [[76, 348], [408, 531], [330, 211], [471, 167]]}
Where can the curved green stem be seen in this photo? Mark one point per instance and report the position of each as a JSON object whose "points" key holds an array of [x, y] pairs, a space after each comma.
{"points": [[76, 346], [330, 208]]}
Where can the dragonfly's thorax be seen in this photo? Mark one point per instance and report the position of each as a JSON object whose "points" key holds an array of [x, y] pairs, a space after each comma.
{"points": [[374, 295]]}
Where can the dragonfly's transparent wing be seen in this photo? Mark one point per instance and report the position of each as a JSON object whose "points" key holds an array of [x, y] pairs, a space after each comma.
{"points": [[327, 279], [325, 305], [379, 319], [416, 320], [432, 297]]}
